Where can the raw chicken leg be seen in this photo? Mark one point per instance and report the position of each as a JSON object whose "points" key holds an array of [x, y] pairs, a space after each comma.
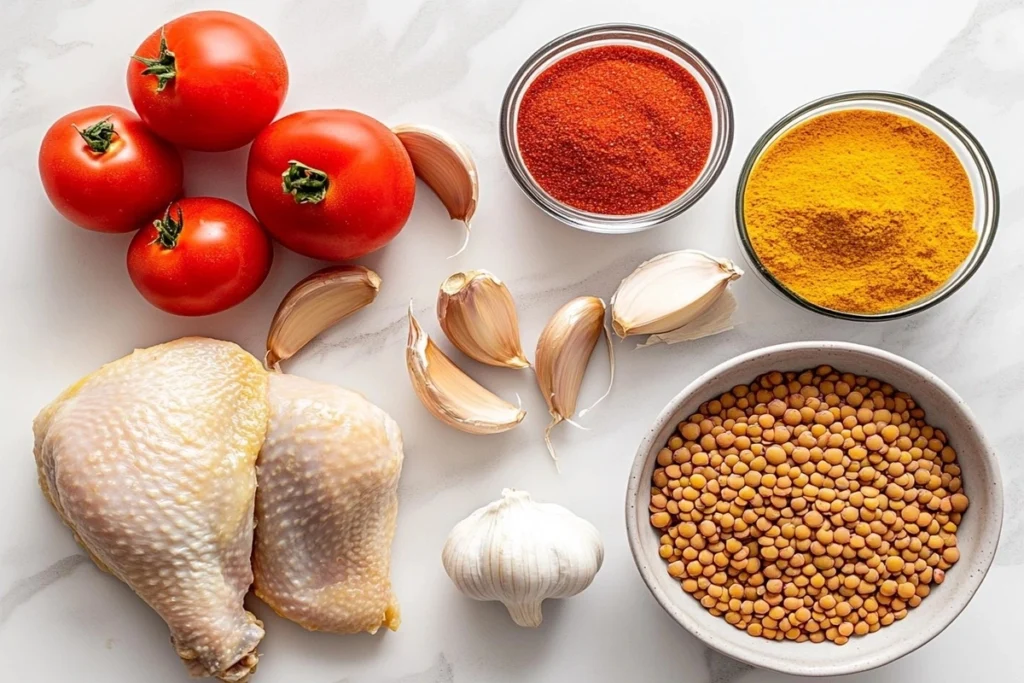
{"points": [[151, 462], [326, 508]]}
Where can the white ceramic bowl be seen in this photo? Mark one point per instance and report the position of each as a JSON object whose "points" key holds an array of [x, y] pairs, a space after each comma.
{"points": [[977, 536]]}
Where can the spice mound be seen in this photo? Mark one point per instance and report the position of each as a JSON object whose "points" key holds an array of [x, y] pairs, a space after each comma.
{"points": [[860, 211], [808, 506], [615, 130]]}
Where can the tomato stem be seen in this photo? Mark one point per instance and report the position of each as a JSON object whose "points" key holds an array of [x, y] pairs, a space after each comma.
{"points": [[99, 135], [162, 66], [306, 184], [168, 229]]}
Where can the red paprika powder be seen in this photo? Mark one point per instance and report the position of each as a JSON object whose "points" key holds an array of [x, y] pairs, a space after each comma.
{"points": [[615, 130]]}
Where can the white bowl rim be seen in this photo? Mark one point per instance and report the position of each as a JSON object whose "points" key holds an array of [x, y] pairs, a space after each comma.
{"points": [[924, 635]]}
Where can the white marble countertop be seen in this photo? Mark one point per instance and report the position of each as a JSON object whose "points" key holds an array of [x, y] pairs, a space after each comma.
{"points": [[68, 306]]}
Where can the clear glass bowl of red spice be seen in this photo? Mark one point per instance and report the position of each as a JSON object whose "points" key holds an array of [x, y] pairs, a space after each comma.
{"points": [[616, 128]]}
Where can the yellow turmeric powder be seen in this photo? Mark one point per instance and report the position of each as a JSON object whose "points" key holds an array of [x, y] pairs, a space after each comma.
{"points": [[860, 211]]}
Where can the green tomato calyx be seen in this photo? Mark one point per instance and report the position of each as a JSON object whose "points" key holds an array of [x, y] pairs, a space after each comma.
{"points": [[162, 66], [98, 136], [305, 184], [169, 229]]}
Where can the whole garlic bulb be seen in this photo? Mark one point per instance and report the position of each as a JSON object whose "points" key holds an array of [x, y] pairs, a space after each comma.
{"points": [[520, 553]]}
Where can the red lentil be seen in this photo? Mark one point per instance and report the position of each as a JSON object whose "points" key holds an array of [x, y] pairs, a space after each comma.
{"points": [[615, 130]]}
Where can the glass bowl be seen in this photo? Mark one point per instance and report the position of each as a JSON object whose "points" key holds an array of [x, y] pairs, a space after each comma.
{"points": [[967, 149], [635, 36]]}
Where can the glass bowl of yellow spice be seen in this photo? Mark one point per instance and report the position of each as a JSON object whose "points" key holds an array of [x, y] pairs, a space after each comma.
{"points": [[867, 205]]}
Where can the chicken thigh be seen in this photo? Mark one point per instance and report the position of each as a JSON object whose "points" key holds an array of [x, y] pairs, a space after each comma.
{"points": [[151, 462], [326, 508]]}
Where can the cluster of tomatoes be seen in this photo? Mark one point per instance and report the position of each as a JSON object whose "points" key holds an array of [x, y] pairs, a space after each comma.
{"points": [[329, 184]]}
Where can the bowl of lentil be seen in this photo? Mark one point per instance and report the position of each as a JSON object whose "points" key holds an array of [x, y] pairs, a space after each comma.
{"points": [[616, 128], [787, 502], [867, 206]]}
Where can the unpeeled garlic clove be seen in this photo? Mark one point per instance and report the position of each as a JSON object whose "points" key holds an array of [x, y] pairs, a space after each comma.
{"points": [[477, 313], [316, 303], [563, 352], [451, 395], [670, 291], [447, 167]]}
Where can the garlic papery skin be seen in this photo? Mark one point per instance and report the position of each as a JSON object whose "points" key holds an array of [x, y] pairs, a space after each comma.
{"points": [[451, 395], [716, 319], [563, 353], [670, 291], [520, 552], [478, 315], [316, 303], [447, 167]]}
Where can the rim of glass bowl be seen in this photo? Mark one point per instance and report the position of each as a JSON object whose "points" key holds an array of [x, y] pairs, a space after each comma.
{"points": [[988, 188], [721, 144]]}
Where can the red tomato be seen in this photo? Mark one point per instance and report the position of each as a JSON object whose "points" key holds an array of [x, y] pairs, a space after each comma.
{"points": [[204, 256], [208, 80], [348, 183], [104, 170]]}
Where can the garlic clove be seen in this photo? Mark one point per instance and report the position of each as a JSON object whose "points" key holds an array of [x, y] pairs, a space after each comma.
{"points": [[717, 319], [670, 291], [563, 353], [477, 313], [316, 303], [520, 552], [527, 613], [450, 394], [447, 167]]}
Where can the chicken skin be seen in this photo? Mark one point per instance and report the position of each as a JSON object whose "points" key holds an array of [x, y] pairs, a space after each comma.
{"points": [[326, 507]]}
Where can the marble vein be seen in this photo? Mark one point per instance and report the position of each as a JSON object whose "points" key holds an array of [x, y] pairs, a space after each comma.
{"points": [[722, 669], [430, 55], [25, 589], [960, 61], [440, 671], [16, 58]]}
